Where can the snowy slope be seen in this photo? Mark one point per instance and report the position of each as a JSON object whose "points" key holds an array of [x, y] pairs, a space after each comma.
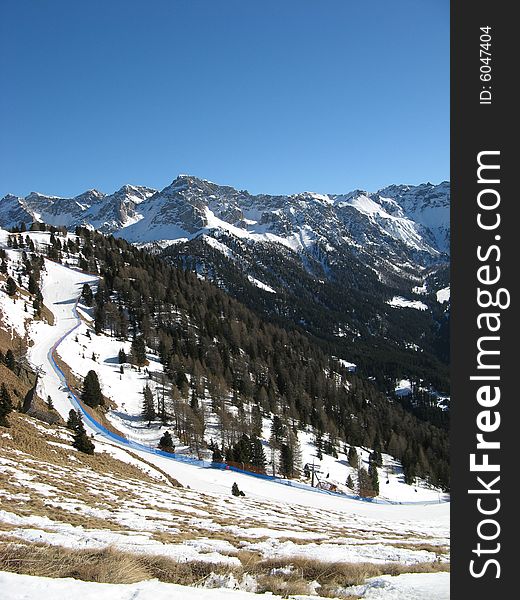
{"points": [[202, 522], [61, 288], [23, 587]]}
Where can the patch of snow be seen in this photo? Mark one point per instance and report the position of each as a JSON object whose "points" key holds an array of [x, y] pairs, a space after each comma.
{"points": [[410, 586], [400, 302], [443, 295]]}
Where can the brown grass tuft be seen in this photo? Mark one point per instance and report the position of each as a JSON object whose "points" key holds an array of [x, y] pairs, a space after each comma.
{"points": [[104, 566]]}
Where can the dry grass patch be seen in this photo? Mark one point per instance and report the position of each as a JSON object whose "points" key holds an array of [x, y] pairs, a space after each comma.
{"points": [[168, 477], [104, 566], [108, 565], [18, 386], [434, 549], [287, 574], [25, 437]]}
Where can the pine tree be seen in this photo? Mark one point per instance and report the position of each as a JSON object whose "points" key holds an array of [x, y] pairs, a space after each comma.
{"points": [[217, 455], [256, 421], [80, 439], [73, 420], [353, 459], [91, 394], [286, 461], [376, 456], [87, 295], [10, 362], [138, 351], [365, 487], [99, 319], [32, 284], [277, 432], [6, 405], [257, 455], [10, 286], [374, 477], [122, 356], [242, 450], [166, 442], [148, 405]]}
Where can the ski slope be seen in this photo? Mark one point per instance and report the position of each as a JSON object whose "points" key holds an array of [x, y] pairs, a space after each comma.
{"points": [[61, 287]]}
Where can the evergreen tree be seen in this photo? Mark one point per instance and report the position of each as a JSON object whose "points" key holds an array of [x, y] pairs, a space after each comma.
{"points": [[257, 454], [91, 394], [242, 450], [10, 286], [99, 319], [217, 455], [166, 442], [365, 487], [6, 405], [256, 421], [87, 295], [73, 420], [374, 477], [277, 432], [286, 461], [353, 459], [80, 439], [138, 351], [32, 284], [122, 356], [376, 456], [10, 362], [148, 405]]}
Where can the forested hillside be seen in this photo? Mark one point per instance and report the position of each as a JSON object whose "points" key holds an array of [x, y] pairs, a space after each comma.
{"points": [[213, 346]]}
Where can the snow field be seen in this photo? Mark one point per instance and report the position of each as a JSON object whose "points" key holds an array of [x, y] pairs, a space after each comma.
{"points": [[400, 302], [24, 587]]}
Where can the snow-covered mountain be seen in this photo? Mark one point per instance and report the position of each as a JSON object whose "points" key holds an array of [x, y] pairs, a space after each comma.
{"points": [[329, 263], [398, 224], [106, 213]]}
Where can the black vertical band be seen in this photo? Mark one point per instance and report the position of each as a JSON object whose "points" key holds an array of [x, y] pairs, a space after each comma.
{"points": [[480, 127]]}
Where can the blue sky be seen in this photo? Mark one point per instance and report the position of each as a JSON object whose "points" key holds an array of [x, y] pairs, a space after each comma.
{"points": [[268, 95]]}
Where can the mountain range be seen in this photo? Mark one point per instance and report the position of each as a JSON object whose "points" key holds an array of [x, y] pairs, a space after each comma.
{"points": [[330, 264], [400, 219]]}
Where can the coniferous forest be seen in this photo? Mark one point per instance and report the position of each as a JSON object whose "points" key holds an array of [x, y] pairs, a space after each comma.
{"points": [[206, 340]]}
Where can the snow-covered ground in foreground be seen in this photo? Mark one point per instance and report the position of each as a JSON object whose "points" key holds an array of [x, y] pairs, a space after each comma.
{"points": [[24, 587], [411, 586], [400, 302], [86, 505]]}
